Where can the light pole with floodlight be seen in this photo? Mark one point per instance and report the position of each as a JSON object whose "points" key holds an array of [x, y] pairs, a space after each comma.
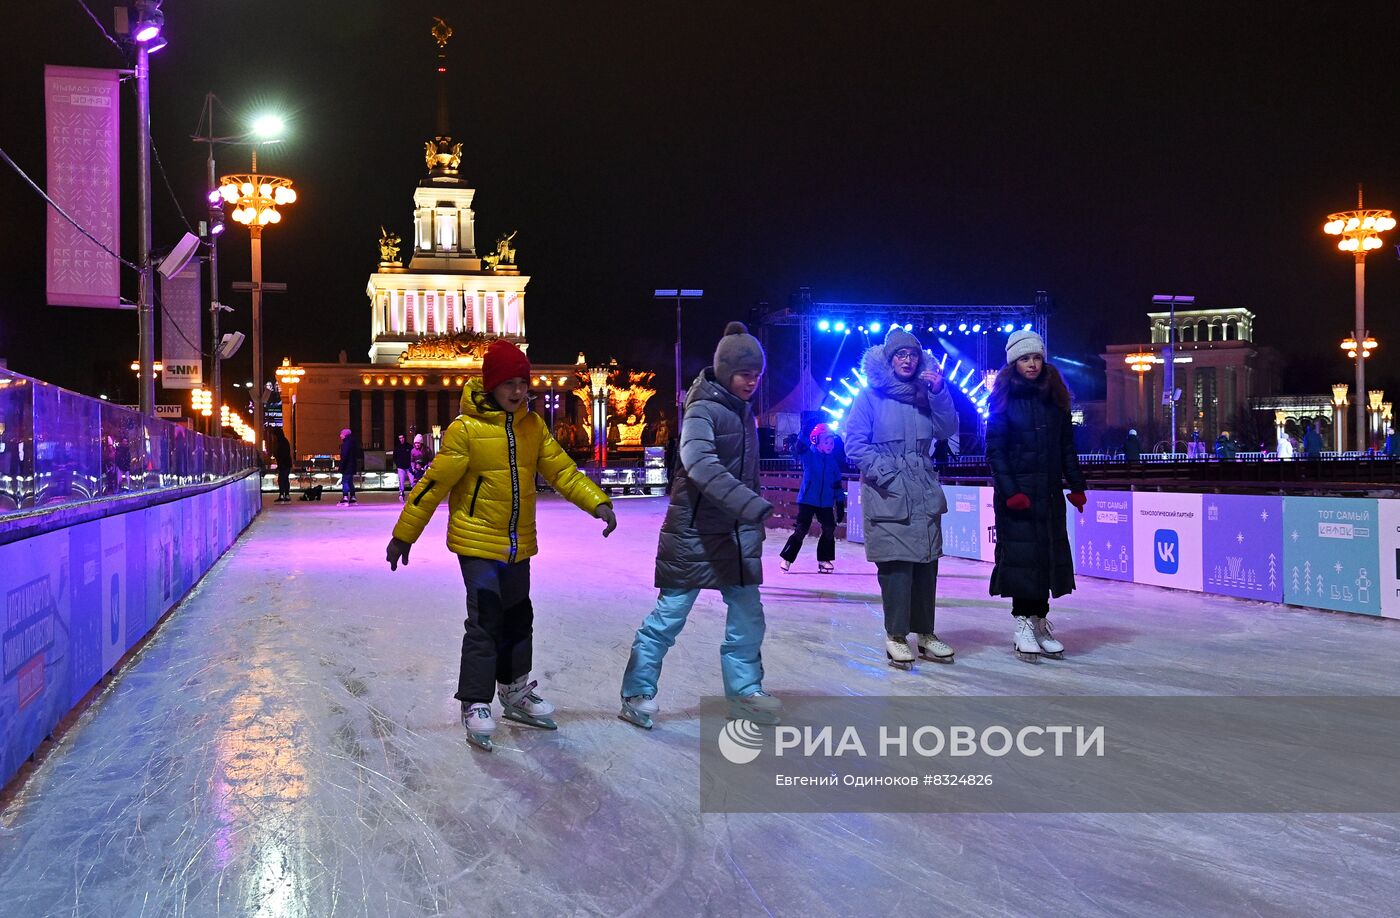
{"points": [[678, 295], [1360, 230]]}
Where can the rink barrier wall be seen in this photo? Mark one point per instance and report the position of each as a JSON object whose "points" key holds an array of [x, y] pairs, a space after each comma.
{"points": [[78, 598], [1335, 553]]}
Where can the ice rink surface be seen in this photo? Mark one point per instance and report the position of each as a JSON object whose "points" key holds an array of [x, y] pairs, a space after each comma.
{"points": [[288, 745]]}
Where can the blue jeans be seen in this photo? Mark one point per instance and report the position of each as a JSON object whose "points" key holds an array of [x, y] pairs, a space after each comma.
{"points": [[740, 660]]}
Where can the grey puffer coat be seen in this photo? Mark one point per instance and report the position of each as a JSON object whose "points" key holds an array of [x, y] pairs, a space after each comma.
{"points": [[713, 532], [888, 440]]}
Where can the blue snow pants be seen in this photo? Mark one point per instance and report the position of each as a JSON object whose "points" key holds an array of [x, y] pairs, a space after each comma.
{"points": [[740, 661]]}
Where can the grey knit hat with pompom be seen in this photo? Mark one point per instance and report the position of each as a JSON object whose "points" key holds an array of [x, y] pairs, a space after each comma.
{"points": [[737, 352]]}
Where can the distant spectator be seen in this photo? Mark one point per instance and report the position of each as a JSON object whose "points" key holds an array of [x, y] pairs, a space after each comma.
{"points": [[349, 465], [282, 453], [1392, 449], [1132, 448], [1312, 442], [1195, 447], [1225, 448], [403, 464], [1285, 448]]}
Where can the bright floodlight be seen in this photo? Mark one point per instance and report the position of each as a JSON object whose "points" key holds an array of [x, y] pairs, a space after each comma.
{"points": [[269, 127], [875, 326], [840, 326], [824, 325], [149, 20]]}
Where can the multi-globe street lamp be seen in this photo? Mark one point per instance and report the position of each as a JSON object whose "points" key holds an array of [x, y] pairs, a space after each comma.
{"points": [[1141, 363], [1360, 230], [1339, 416], [288, 378], [598, 384], [256, 198]]}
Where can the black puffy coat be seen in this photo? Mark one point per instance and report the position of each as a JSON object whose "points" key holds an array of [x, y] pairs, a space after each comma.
{"points": [[713, 532], [1030, 447]]}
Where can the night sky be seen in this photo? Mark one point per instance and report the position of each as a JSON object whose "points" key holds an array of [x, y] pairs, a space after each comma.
{"points": [[883, 152]]}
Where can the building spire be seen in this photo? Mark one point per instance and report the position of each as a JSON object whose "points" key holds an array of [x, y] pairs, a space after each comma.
{"points": [[442, 155]]}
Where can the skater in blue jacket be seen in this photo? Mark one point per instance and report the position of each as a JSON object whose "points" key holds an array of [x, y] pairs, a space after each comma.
{"points": [[821, 489]]}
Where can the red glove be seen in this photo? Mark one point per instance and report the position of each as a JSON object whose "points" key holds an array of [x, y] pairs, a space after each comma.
{"points": [[1018, 502], [1078, 499]]}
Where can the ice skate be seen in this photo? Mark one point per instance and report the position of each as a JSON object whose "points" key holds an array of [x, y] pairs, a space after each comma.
{"points": [[760, 708], [826, 567], [786, 565], [1024, 643], [520, 704], [1045, 637], [639, 710], [479, 723], [897, 652], [931, 648]]}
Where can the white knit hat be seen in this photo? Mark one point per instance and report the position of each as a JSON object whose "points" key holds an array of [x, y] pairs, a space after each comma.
{"points": [[1022, 343]]}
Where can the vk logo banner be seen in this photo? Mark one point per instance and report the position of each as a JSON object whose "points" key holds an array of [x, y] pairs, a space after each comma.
{"points": [[1167, 551]]}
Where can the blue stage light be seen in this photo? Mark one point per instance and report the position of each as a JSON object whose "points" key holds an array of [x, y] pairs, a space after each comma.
{"points": [[824, 325], [875, 327], [1026, 327], [977, 326], [839, 326], [962, 326], [942, 326], [908, 326]]}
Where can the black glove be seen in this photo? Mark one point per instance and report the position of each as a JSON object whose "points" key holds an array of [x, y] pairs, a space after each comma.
{"points": [[396, 552]]}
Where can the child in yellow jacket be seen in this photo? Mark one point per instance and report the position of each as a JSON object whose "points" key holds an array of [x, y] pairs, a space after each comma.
{"points": [[486, 468]]}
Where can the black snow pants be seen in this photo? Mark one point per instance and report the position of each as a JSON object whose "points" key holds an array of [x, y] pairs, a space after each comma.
{"points": [[497, 644]]}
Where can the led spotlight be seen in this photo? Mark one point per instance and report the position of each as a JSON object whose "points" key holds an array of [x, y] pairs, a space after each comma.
{"points": [[840, 326], [824, 325], [875, 327], [908, 326], [962, 326], [977, 326], [1026, 327], [942, 326]]}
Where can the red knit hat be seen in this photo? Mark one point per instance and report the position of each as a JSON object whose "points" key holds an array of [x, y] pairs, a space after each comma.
{"points": [[503, 361]]}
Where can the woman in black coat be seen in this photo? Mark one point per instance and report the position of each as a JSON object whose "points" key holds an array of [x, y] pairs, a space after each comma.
{"points": [[1030, 447]]}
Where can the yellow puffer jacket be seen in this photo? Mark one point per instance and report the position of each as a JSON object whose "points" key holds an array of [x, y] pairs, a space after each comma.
{"points": [[487, 464]]}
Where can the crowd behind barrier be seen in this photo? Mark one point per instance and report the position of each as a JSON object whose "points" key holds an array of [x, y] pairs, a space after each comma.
{"points": [[59, 447]]}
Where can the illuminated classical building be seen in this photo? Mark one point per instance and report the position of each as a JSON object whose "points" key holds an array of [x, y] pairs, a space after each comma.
{"points": [[1219, 369], [430, 319]]}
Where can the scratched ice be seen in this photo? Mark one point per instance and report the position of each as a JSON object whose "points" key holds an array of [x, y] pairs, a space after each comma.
{"points": [[288, 745]]}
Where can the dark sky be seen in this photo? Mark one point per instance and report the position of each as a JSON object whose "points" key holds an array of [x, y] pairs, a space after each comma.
{"points": [[882, 152]]}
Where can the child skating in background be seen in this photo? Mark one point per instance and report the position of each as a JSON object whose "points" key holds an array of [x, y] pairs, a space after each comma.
{"points": [[1030, 448], [890, 431], [820, 491], [486, 468], [712, 537]]}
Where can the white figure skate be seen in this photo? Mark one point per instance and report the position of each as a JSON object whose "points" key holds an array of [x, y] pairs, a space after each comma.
{"points": [[931, 648], [479, 723], [1023, 641], [521, 704], [1045, 637], [639, 710], [897, 652], [760, 708]]}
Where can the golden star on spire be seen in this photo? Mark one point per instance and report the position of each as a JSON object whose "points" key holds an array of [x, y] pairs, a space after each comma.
{"points": [[441, 32]]}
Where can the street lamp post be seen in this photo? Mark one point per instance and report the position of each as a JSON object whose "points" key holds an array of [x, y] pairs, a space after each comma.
{"points": [[678, 295], [1141, 363], [1169, 355], [256, 198], [1360, 230], [1376, 397], [1339, 416], [288, 378], [598, 383]]}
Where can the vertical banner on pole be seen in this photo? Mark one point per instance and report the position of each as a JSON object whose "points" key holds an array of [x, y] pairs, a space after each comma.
{"points": [[180, 328], [84, 130]]}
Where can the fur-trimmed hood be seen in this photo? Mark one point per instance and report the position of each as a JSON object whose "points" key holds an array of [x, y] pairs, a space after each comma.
{"points": [[879, 373]]}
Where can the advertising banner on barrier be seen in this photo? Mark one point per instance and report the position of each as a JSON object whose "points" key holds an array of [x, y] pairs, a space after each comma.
{"points": [[1103, 538], [962, 524], [82, 118], [1167, 539], [1331, 553], [989, 523], [1242, 542], [1390, 557]]}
